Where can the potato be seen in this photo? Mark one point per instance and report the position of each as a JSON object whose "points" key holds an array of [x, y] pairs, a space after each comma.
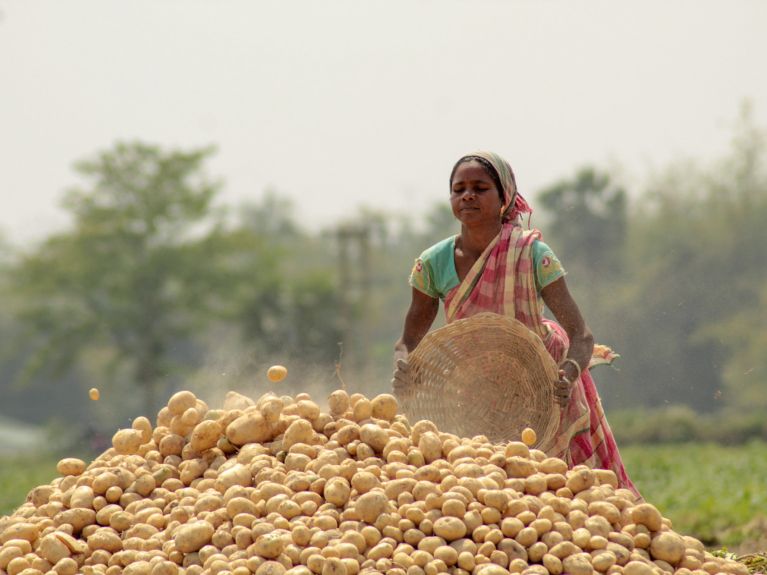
{"points": [[272, 407], [577, 564], [648, 515], [300, 431], [19, 531], [668, 547], [308, 409], [371, 505], [248, 428], [143, 425], [276, 484], [603, 561], [449, 528], [106, 539], [517, 466], [362, 410], [430, 446], [82, 497], [65, 566], [337, 491], [205, 435], [70, 466], [338, 403], [181, 401], [637, 568], [75, 546], [271, 568], [53, 549], [580, 480], [277, 373], [364, 481], [564, 549], [334, 566], [270, 545], [193, 536], [374, 436], [529, 437], [24, 546], [552, 564], [553, 465], [127, 441], [384, 406]]}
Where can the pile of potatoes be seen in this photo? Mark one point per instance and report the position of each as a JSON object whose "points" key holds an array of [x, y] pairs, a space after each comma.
{"points": [[278, 487]]}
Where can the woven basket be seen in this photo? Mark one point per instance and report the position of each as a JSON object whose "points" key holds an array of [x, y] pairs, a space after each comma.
{"points": [[484, 375]]}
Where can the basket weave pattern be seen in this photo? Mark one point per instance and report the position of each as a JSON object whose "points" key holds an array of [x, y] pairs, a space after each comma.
{"points": [[484, 375]]}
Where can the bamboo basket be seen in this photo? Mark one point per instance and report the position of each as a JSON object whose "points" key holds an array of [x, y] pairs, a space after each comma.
{"points": [[484, 375]]}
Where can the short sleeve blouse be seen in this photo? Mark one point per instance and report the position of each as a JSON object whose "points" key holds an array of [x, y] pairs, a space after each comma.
{"points": [[435, 275]]}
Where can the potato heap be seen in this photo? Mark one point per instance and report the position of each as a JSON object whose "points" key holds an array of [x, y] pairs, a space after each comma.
{"points": [[278, 487]]}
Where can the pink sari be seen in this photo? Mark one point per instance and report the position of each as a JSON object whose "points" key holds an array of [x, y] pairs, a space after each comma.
{"points": [[502, 281]]}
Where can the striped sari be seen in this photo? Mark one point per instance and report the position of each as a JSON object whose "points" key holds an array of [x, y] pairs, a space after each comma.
{"points": [[502, 281]]}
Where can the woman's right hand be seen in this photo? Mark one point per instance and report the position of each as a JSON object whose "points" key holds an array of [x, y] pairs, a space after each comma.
{"points": [[401, 379], [563, 389]]}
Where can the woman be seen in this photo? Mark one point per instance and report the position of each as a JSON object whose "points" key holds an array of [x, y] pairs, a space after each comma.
{"points": [[495, 265]]}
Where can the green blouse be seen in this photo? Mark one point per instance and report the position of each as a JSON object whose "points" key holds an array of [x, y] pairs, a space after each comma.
{"points": [[435, 275]]}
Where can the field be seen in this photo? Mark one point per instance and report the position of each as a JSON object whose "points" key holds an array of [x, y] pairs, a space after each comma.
{"points": [[19, 474], [716, 493]]}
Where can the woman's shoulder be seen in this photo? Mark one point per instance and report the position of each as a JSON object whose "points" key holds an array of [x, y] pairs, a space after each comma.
{"points": [[439, 249], [540, 247]]}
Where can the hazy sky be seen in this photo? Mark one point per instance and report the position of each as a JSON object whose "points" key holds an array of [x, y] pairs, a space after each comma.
{"points": [[338, 104]]}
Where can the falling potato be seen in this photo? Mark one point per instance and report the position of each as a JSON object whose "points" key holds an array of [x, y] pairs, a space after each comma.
{"points": [[277, 373], [529, 436], [94, 394]]}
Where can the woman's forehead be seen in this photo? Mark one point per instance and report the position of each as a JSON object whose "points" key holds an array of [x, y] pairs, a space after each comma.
{"points": [[471, 170]]}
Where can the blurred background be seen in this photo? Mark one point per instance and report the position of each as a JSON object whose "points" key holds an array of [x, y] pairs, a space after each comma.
{"points": [[194, 191]]}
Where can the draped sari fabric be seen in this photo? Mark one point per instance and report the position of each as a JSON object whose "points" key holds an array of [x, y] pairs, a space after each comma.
{"points": [[502, 281]]}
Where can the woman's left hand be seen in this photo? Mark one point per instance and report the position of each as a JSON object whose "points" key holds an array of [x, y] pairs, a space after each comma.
{"points": [[563, 389]]}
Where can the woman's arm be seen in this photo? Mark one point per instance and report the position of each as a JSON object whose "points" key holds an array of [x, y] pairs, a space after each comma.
{"points": [[420, 316], [558, 299], [423, 309]]}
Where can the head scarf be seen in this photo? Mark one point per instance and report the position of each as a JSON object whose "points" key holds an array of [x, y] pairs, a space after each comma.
{"points": [[513, 203]]}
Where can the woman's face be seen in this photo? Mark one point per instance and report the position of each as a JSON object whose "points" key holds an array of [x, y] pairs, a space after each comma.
{"points": [[474, 197]]}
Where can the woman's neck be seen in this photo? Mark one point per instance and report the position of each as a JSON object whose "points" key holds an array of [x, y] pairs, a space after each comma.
{"points": [[474, 240]]}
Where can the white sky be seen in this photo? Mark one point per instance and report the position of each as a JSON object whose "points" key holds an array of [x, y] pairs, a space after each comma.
{"points": [[338, 104]]}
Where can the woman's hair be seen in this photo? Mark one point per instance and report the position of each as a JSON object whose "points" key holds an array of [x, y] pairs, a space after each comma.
{"points": [[487, 166]]}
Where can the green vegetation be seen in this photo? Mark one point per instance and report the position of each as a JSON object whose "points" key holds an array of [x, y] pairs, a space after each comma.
{"points": [[715, 493], [19, 474], [682, 424]]}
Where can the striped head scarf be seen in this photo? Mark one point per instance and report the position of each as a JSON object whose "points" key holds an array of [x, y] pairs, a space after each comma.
{"points": [[513, 203]]}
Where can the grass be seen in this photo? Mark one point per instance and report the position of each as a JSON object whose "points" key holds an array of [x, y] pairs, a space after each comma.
{"points": [[19, 474], [715, 493]]}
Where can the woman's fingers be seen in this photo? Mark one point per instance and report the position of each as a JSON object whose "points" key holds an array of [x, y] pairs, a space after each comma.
{"points": [[401, 378], [562, 390]]}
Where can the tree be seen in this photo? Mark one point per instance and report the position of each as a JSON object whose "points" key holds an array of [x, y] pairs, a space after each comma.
{"points": [[691, 306], [132, 278], [287, 304], [588, 215]]}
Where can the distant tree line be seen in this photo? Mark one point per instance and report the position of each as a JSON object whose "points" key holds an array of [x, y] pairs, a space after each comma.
{"points": [[156, 286]]}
